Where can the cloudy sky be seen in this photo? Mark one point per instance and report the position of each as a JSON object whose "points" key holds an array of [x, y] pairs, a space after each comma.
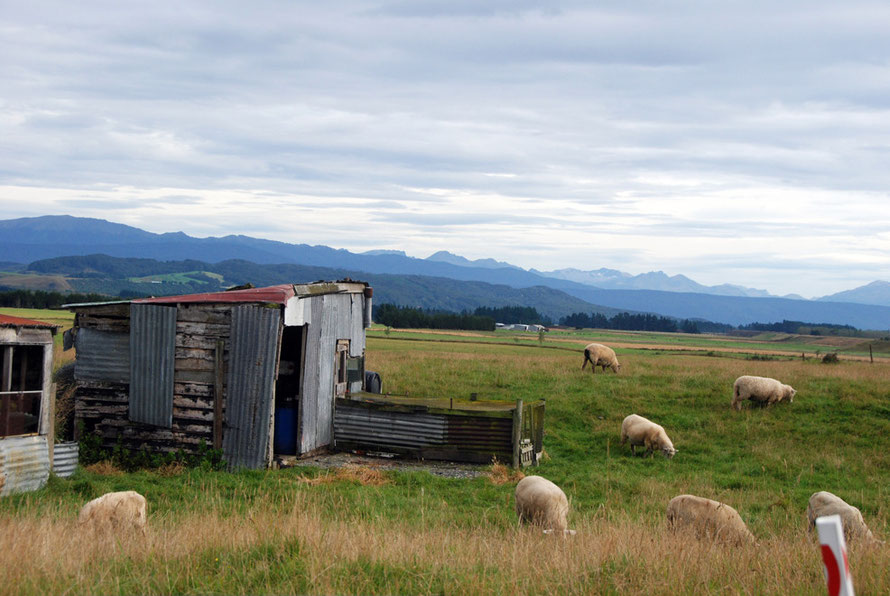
{"points": [[741, 142]]}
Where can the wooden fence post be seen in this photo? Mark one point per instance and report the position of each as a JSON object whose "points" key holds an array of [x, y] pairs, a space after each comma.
{"points": [[517, 435]]}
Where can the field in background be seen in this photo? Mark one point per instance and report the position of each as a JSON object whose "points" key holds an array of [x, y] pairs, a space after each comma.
{"points": [[366, 531]]}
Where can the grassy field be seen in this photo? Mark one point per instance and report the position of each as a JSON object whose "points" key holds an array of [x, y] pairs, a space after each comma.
{"points": [[368, 531]]}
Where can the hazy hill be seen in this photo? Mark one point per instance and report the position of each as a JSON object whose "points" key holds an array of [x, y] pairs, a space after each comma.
{"points": [[113, 275], [30, 239], [612, 279], [877, 292]]}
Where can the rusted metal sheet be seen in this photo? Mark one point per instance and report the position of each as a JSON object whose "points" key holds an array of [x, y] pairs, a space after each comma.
{"points": [[10, 321], [152, 341], [24, 464], [253, 362], [65, 459], [273, 294], [102, 356]]}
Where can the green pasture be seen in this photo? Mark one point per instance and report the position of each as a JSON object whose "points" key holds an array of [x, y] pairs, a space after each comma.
{"points": [[765, 462]]}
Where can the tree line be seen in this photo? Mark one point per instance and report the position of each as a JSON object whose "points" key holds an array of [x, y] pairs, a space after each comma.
{"points": [[43, 299], [638, 322]]}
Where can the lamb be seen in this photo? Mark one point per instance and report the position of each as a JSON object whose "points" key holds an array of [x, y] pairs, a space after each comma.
{"points": [[824, 503], [124, 510], [540, 502], [708, 519], [598, 354], [646, 433], [760, 389]]}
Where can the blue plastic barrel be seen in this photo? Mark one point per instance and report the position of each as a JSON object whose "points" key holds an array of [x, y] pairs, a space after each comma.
{"points": [[285, 440]]}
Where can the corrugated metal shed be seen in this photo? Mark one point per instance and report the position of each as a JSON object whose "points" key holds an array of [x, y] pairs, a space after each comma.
{"points": [[253, 363], [65, 459], [24, 464], [152, 339], [273, 295]]}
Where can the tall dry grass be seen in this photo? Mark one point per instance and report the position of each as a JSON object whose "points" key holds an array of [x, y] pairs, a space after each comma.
{"points": [[296, 547]]}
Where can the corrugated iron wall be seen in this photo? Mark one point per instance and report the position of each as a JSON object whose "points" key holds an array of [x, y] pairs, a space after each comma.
{"points": [[253, 363], [65, 459], [152, 341], [330, 317], [419, 433], [102, 355], [24, 464]]}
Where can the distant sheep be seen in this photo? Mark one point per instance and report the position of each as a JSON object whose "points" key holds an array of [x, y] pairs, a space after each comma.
{"points": [[709, 519], [540, 502], [760, 389], [124, 510], [600, 355], [642, 432], [825, 503]]}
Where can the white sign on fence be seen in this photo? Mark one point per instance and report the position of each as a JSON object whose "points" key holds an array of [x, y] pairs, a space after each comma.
{"points": [[834, 556]]}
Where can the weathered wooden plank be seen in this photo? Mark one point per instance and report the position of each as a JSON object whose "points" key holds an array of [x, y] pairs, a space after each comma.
{"points": [[193, 376], [204, 314], [218, 384], [195, 342], [192, 414], [194, 354], [109, 310], [205, 329], [194, 403], [193, 364], [178, 428], [193, 389]]}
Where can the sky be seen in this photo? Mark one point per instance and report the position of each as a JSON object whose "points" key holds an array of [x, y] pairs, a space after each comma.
{"points": [[729, 141]]}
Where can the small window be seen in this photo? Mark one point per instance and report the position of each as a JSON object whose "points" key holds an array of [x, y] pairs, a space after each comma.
{"points": [[21, 389]]}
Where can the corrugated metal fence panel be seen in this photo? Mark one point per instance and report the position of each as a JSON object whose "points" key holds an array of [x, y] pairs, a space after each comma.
{"points": [[102, 356], [253, 360], [363, 425], [152, 341], [65, 459], [382, 430], [24, 464]]}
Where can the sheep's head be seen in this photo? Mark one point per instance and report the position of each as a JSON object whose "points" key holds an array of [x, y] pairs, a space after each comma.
{"points": [[668, 452], [616, 367], [792, 393]]}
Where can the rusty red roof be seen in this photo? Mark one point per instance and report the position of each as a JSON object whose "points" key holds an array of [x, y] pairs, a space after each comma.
{"points": [[272, 294], [10, 321]]}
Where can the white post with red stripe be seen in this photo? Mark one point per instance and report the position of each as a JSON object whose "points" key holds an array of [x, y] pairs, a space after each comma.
{"points": [[834, 556]]}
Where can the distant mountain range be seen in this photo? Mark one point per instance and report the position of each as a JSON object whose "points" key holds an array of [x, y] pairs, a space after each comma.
{"points": [[28, 240]]}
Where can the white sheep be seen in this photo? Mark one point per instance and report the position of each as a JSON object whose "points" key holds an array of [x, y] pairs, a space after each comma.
{"points": [[709, 519], [642, 432], [540, 502], [125, 510], [600, 355], [824, 503], [760, 389]]}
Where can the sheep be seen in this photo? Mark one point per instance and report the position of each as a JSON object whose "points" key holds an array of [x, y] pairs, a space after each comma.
{"points": [[641, 431], [708, 519], [824, 503], [540, 502], [598, 354], [124, 509], [760, 389]]}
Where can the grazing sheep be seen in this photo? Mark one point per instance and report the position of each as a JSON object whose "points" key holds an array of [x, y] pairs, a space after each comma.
{"points": [[760, 389], [825, 503], [115, 510], [540, 502], [600, 355], [708, 519], [643, 432]]}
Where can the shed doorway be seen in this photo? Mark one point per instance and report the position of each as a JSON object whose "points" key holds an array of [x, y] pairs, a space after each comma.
{"points": [[288, 390]]}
